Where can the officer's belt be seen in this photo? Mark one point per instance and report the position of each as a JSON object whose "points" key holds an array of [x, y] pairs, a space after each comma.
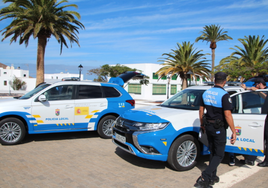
{"points": [[211, 121]]}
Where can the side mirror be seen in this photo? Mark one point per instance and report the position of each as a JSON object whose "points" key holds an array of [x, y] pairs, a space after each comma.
{"points": [[42, 98]]}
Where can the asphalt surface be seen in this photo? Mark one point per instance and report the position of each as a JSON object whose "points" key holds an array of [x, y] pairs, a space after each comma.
{"points": [[83, 159]]}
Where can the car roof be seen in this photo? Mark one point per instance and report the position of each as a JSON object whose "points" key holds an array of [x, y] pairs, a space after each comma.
{"points": [[205, 87]]}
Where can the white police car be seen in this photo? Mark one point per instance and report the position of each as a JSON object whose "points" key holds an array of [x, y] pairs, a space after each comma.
{"points": [[65, 107], [169, 131]]}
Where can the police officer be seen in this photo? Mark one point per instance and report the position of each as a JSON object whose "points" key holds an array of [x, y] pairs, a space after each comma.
{"points": [[218, 105]]}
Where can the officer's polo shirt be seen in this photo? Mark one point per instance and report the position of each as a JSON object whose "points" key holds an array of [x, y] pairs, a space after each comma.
{"points": [[216, 100]]}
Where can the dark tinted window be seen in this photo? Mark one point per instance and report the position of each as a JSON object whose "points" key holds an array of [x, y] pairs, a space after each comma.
{"points": [[252, 103], [110, 92], [63, 92], [88, 92]]}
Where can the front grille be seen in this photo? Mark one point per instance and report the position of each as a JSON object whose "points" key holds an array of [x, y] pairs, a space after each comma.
{"points": [[125, 125], [123, 146]]}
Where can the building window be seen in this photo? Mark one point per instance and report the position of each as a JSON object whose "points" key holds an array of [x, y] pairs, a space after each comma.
{"points": [[173, 89], [159, 89], [164, 78], [24, 75], [5, 72], [174, 77], [134, 88], [5, 83], [155, 76]]}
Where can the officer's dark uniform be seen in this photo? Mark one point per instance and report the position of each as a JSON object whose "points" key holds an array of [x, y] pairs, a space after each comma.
{"points": [[216, 100]]}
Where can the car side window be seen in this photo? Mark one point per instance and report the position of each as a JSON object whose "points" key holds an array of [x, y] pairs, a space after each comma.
{"points": [[64, 92], [252, 103], [110, 92], [89, 92]]}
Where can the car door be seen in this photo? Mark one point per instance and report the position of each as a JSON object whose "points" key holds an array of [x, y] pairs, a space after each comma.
{"points": [[89, 103], [56, 114], [248, 114]]}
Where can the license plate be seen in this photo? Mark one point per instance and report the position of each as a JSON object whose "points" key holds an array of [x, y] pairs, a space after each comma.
{"points": [[120, 138]]}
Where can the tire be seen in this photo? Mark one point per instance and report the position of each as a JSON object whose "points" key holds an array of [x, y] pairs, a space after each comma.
{"points": [[105, 126], [12, 131], [184, 153]]}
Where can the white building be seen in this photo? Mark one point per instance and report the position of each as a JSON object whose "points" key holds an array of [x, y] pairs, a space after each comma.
{"points": [[157, 89], [59, 76], [7, 75]]}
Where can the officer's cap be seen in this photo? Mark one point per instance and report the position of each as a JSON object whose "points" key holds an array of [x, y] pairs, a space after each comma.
{"points": [[220, 76]]}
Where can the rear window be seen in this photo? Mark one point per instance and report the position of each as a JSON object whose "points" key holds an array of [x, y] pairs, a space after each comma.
{"points": [[89, 92], [110, 92]]}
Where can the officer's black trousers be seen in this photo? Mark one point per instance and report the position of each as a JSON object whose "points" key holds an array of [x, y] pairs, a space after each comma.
{"points": [[266, 138], [217, 142]]}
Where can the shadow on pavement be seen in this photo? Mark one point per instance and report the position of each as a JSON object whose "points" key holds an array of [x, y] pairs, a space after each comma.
{"points": [[137, 161], [59, 136]]}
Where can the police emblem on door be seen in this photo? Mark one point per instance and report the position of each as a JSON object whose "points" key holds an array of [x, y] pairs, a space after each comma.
{"points": [[57, 112]]}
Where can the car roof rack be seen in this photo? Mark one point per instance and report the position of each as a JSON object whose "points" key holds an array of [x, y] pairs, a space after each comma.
{"points": [[227, 83]]}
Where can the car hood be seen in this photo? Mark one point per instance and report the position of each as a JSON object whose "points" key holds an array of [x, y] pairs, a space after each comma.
{"points": [[12, 103], [158, 114]]}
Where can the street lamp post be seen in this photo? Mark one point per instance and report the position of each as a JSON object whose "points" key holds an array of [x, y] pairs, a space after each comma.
{"points": [[168, 78], [80, 67]]}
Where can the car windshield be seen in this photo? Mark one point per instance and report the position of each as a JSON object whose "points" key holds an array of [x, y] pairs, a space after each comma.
{"points": [[187, 99], [34, 91]]}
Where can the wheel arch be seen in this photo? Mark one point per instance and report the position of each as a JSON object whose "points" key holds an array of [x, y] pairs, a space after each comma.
{"points": [[103, 116], [192, 133], [18, 117]]}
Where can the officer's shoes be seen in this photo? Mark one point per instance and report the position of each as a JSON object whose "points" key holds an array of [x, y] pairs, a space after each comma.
{"points": [[201, 183], [232, 161], [263, 164], [214, 180], [248, 162]]}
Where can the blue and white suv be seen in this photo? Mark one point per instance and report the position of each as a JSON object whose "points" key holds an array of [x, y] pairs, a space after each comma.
{"points": [[65, 106], [169, 131]]}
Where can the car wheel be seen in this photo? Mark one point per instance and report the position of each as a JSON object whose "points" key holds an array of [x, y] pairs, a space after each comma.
{"points": [[183, 153], [105, 126], [12, 131]]}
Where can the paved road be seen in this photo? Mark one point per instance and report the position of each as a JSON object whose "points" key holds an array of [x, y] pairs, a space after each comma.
{"points": [[82, 160]]}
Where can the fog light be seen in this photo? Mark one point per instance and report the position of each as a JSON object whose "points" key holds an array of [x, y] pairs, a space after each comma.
{"points": [[149, 150]]}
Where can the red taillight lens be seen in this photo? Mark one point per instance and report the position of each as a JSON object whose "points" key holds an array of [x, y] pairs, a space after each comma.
{"points": [[132, 102]]}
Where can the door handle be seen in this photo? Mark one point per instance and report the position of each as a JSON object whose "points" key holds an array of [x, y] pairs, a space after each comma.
{"points": [[255, 124], [102, 104], [68, 106]]}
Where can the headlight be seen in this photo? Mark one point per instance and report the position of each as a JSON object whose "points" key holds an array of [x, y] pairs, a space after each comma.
{"points": [[150, 126]]}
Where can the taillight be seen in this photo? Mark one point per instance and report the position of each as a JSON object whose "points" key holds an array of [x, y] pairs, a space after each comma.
{"points": [[132, 102]]}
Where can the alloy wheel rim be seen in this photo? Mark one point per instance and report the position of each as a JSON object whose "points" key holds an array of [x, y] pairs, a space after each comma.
{"points": [[10, 132], [107, 127], [186, 153]]}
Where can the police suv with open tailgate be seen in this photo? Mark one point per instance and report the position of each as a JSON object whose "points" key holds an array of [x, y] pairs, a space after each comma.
{"points": [[65, 106], [169, 131]]}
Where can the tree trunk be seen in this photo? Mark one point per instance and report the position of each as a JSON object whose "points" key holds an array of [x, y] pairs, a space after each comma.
{"points": [[41, 46], [213, 64], [184, 82]]}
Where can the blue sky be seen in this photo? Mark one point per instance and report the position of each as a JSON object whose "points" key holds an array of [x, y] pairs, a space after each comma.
{"points": [[140, 31]]}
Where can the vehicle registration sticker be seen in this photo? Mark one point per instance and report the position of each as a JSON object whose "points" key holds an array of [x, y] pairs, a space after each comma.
{"points": [[120, 138]]}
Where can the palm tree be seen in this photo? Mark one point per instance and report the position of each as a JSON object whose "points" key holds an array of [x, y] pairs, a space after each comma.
{"points": [[252, 58], [213, 34], [40, 19], [182, 60]]}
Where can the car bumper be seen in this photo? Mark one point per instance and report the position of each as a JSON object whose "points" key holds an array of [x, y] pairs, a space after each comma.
{"points": [[153, 145]]}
